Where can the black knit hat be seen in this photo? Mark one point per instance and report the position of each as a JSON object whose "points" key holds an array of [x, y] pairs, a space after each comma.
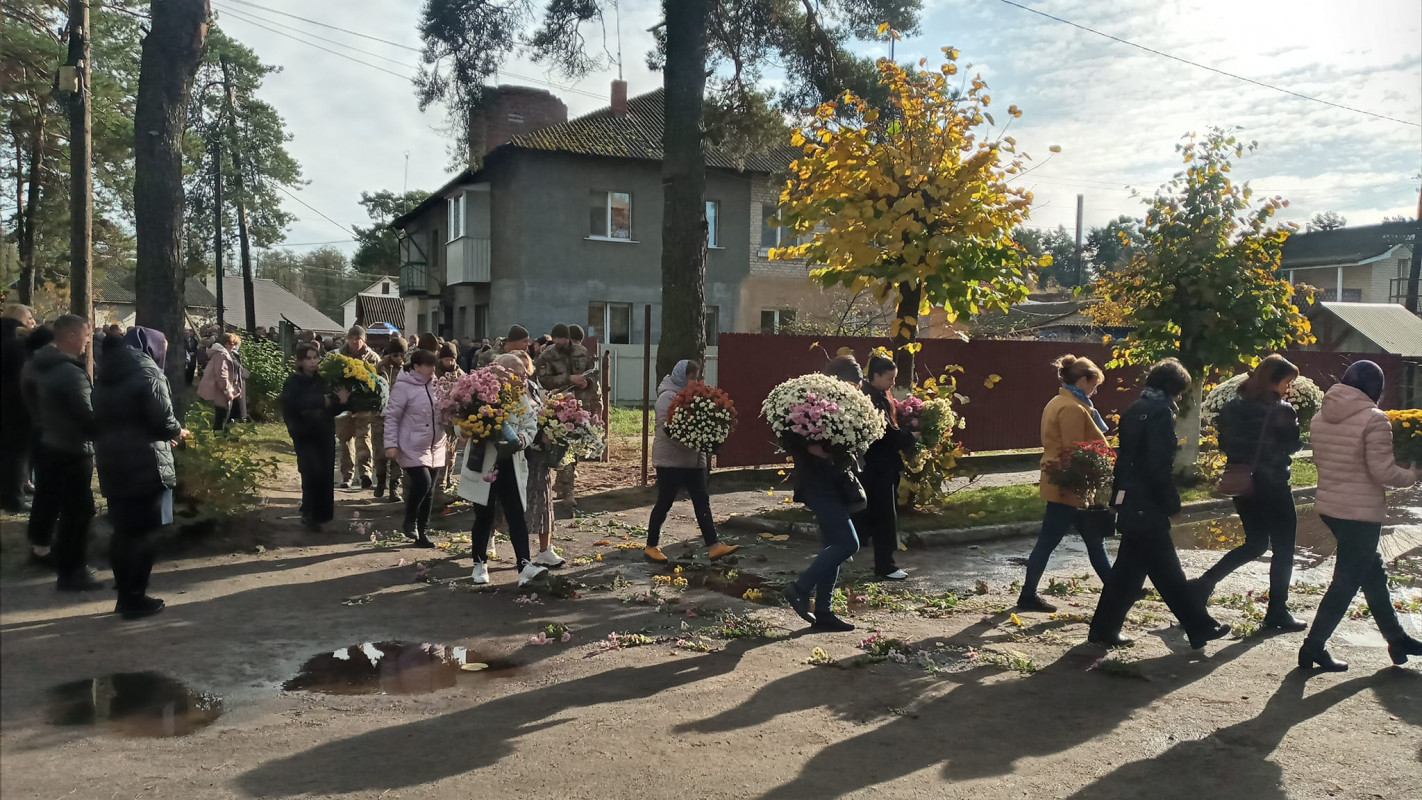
{"points": [[517, 333], [560, 331], [447, 350], [575, 332]]}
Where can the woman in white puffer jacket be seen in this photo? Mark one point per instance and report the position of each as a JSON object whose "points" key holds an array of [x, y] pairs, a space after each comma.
{"points": [[1352, 447]]}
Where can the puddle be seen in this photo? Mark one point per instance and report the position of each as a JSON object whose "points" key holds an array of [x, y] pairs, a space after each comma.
{"points": [[392, 668], [140, 704]]}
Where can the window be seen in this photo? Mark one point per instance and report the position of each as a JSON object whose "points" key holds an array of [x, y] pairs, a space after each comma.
{"points": [[481, 321], [610, 215], [463, 329], [1402, 266], [771, 235], [456, 216], [713, 215], [420, 323], [385, 287], [611, 323], [775, 320], [713, 325]]}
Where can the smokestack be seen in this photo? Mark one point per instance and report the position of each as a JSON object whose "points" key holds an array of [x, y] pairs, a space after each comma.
{"points": [[619, 97]]}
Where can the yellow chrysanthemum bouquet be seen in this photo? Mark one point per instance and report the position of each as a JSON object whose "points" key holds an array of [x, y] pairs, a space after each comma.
{"points": [[368, 390], [480, 402], [1407, 435]]}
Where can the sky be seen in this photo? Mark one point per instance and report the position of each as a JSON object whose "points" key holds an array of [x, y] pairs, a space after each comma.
{"points": [[1116, 111]]}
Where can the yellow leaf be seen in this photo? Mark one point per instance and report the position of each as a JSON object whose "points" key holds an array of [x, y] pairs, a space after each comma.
{"points": [[992, 380], [473, 667], [1016, 620], [883, 28], [780, 538]]}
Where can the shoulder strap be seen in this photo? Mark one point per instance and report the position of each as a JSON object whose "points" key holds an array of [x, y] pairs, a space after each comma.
{"points": [[1263, 429]]}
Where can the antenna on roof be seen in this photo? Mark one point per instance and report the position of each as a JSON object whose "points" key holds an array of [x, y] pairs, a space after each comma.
{"points": [[617, 20]]}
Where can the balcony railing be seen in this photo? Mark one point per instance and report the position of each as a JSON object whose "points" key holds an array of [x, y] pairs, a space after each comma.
{"points": [[1349, 295], [469, 260], [1397, 291], [414, 279]]}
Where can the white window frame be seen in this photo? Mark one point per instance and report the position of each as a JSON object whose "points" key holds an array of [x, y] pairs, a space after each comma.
{"points": [[778, 322], [713, 224], [456, 221], [781, 236], [603, 332], [607, 216], [713, 314]]}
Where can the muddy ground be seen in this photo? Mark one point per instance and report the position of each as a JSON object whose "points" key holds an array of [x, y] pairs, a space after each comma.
{"points": [[987, 705]]}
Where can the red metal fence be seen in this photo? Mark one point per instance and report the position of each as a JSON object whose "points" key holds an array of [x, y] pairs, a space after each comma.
{"points": [[1004, 417]]}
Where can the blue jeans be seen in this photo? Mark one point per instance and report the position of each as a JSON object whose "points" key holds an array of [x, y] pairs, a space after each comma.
{"points": [[1059, 519], [838, 542]]}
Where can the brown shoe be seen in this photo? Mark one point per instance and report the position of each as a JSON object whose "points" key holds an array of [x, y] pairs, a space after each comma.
{"points": [[654, 554], [720, 549]]}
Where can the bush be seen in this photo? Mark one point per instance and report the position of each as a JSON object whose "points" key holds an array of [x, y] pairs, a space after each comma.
{"points": [[269, 366], [219, 473]]}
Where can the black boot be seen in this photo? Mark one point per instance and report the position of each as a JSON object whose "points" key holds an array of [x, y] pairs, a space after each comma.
{"points": [[1279, 618], [1400, 647], [1034, 602], [799, 602], [1216, 631], [827, 621], [1313, 653], [138, 606]]}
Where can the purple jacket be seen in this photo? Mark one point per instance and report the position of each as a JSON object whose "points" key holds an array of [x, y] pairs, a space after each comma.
{"points": [[410, 422]]}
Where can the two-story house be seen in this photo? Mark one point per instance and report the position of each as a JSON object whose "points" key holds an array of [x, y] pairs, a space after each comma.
{"points": [[1364, 264], [564, 224]]}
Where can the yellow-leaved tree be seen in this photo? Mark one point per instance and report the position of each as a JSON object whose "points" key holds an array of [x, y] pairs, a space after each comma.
{"points": [[1205, 287], [912, 201]]}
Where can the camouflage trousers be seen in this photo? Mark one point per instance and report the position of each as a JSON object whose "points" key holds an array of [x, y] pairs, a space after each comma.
{"points": [[563, 483]]}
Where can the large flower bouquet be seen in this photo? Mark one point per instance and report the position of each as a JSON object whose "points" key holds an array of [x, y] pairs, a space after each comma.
{"points": [[929, 413], [701, 417], [568, 431], [480, 402], [1304, 395], [1087, 471], [819, 409], [442, 386], [930, 419], [1407, 435], [340, 371]]}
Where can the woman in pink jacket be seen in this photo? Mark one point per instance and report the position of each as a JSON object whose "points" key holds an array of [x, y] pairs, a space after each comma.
{"points": [[224, 382], [415, 440], [1352, 446]]}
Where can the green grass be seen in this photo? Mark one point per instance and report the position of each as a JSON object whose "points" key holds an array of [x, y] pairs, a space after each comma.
{"points": [[272, 439], [625, 421]]}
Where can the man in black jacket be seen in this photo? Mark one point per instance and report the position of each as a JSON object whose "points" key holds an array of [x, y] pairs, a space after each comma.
{"points": [[1146, 498], [14, 417], [310, 413], [64, 465]]}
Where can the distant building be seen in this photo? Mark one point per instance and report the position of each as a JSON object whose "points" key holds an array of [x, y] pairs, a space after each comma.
{"points": [[273, 304], [378, 302], [115, 300], [1363, 264]]}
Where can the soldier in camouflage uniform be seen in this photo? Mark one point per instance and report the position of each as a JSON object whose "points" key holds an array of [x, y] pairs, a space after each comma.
{"points": [[515, 341], [561, 369]]}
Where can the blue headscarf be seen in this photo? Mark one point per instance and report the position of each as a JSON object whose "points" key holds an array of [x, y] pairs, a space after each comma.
{"points": [[678, 374], [150, 341], [1082, 396]]}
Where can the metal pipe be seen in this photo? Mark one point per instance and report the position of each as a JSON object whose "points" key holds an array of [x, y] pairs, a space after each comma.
{"points": [[646, 387], [606, 357]]}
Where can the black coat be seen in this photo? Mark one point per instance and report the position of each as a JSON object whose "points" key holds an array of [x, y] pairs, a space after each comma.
{"points": [[133, 414], [885, 458], [1145, 465], [14, 417], [303, 405], [1240, 423]]}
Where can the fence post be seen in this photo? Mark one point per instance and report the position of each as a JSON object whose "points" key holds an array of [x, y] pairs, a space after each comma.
{"points": [[646, 386], [606, 357]]}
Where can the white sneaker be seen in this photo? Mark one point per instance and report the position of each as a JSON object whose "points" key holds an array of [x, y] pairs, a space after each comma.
{"points": [[548, 558], [530, 573], [480, 573], [896, 575]]}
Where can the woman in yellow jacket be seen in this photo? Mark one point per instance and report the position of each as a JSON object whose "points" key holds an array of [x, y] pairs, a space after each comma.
{"points": [[1068, 419]]}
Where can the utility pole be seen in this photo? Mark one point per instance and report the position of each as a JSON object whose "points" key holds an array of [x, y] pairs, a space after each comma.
{"points": [[81, 170], [217, 227], [1080, 264], [1414, 274], [243, 241]]}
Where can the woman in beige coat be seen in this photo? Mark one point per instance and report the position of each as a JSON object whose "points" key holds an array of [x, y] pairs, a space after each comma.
{"points": [[1352, 446], [224, 382], [1068, 419]]}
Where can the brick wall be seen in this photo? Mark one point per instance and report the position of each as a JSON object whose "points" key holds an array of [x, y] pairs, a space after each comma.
{"points": [[514, 110], [766, 194]]}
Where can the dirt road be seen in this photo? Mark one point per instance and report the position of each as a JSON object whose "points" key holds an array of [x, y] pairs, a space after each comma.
{"points": [[986, 705]]}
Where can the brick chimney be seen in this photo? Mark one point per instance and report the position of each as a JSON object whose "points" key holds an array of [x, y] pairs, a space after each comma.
{"points": [[508, 112], [619, 97]]}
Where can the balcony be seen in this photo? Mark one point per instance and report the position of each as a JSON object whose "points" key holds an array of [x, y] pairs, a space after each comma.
{"points": [[414, 279], [1331, 295], [468, 260]]}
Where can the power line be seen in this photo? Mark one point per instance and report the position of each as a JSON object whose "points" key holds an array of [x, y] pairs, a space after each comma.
{"points": [[314, 244], [1207, 67], [313, 208], [319, 47], [251, 18]]}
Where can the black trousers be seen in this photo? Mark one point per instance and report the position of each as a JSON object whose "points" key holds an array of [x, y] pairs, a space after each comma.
{"points": [[1270, 523], [64, 500], [879, 521], [503, 493], [236, 412], [134, 546], [670, 482], [419, 498], [316, 461], [14, 458], [1147, 552], [1358, 566]]}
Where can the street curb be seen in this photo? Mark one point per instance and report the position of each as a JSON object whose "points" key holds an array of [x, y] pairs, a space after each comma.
{"points": [[947, 537]]}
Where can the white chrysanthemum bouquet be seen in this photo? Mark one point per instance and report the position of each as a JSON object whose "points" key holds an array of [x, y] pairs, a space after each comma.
{"points": [[1304, 395], [819, 409], [701, 417]]}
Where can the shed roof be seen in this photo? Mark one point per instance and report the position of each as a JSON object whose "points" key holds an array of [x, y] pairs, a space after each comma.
{"points": [[274, 304], [1391, 327], [117, 287]]}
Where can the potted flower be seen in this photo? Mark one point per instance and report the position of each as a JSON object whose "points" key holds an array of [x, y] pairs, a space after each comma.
{"points": [[1407, 435], [1087, 471]]}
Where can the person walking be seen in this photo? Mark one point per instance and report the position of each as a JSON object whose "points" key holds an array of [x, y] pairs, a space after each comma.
{"points": [[353, 427], [448, 369], [133, 453], [1145, 499], [832, 492], [15, 425], [1069, 419], [883, 464], [224, 381], [64, 465], [557, 374], [679, 467], [387, 477], [310, 408], [1260, 430], [495, 476], [415, 440], [1352, 446], [539, 515]]}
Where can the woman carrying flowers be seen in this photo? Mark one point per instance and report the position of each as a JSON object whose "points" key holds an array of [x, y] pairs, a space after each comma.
{"points": [[1353, 448], [415, 440], [1146, 498], [679, 467], [1069, 419], [883, 465], [495, 473], [540, 480], [309, 407], [826, 424]]}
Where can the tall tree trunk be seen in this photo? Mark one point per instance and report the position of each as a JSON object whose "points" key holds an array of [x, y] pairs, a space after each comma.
{"points": [[244, 244], [171, 52], [1414, 272], [906, 330], [32, 199], [81, 172], [683, 187]]}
